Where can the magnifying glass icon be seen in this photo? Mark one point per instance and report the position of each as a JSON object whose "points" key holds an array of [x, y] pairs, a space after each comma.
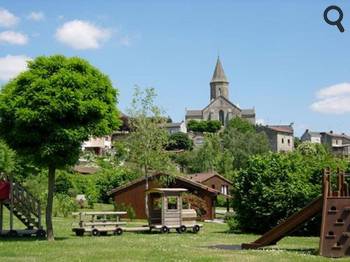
{"points": [[336, 22]]}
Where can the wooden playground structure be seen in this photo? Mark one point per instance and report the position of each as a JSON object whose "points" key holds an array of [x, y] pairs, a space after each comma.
{"points": [[22, 205], [334, 205], [165, 213]]}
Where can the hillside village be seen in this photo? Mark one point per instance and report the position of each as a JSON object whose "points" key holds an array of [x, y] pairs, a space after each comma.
{"points": [[220, 108]]}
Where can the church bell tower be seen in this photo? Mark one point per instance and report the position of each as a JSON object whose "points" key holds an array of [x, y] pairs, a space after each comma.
{"points": [[219, 82]]}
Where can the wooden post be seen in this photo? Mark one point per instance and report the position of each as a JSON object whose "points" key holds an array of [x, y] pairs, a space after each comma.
{"points": [[1, 217], [11, 203]]}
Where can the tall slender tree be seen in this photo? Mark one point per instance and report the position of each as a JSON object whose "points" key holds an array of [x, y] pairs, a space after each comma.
{"points": [[148, 139]]}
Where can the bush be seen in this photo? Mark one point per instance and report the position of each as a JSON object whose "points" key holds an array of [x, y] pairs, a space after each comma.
{"points": [[179, 141], [210, 126], [221, 201], [274, 186], [63, 205], [125, 207]]}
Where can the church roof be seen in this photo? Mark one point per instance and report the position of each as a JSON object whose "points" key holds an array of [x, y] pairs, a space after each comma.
{"points": [[219, 74], [225, 99], [193, 112]]}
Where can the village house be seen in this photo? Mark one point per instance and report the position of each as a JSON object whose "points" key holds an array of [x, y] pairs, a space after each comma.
{"points": [[98, 145], [313, 137], [281, 137], [220, 107], [176, 127], [213, 180], [133, 193], [338, 143]]}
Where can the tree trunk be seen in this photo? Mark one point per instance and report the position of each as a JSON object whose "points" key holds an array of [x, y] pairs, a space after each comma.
{"points": [[146, 195], [51, 187]]}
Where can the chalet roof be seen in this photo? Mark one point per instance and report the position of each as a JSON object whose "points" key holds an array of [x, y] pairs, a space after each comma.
{"points": [[219, 74], [202, 177], [166, 190], [181, 178], [282, 128]]}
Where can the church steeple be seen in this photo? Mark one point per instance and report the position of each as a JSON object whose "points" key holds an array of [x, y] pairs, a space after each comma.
{"points": [[219, 82]]}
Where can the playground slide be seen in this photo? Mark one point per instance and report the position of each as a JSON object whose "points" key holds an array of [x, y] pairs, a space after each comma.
{"points": [[291, 223]]}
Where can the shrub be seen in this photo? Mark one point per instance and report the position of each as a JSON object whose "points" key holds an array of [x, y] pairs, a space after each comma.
{"points": [[221, 201], [125, 207], [210, 126], [179, 141], [274, 186], [64, 205]]}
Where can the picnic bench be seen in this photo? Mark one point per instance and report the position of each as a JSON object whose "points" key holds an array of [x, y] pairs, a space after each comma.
{"points": [[98, 223]]}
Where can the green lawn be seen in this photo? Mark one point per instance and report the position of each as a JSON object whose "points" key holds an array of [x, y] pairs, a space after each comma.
{"points": [[155, 247]]}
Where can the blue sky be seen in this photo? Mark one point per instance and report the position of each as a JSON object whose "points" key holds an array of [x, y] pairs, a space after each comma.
{"points": [[279, 56]]}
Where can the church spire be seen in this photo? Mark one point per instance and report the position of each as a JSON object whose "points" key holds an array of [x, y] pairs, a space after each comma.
{"points": [[219, 74], [219, 82]]}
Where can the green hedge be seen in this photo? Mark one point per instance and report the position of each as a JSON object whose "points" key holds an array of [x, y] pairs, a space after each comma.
{"points": [[274, 186]]}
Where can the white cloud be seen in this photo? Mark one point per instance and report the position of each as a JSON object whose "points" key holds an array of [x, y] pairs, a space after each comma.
{"points": [[7, 19], [11, 37], [36, 16], [11, 66], [334, 99], [82, 35], [335, 90]]}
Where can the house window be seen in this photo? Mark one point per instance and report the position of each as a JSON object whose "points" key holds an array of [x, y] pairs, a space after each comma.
{"points": [[224, 189], [172, 203], [222, 117]]}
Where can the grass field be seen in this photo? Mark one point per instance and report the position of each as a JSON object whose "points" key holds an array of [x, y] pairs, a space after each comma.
{"points": [[213, 243]]}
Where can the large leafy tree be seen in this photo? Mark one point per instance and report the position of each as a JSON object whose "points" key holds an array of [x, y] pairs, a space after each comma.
{"points": [[50, 109], [241, 140]]}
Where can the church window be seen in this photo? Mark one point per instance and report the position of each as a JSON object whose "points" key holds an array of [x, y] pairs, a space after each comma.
{"points": [[219, 93], [282, 140], [222, 117]]}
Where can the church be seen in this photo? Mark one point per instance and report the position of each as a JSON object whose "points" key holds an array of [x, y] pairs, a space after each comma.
{"points": [[220, 107]]}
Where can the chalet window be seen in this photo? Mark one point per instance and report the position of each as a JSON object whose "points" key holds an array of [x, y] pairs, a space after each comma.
{"points": [[224, 189], [172, 203], [213, 186]]}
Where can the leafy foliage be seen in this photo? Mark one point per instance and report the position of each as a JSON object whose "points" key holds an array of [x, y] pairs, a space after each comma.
{"points": [[241, 140], [64, 205], [48, 111], [178, 141], [147, 142], [210, 126], [7, 158], [274, 186]]}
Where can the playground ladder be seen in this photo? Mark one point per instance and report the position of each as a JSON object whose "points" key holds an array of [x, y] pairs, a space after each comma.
{"points": [[24, 206]]}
